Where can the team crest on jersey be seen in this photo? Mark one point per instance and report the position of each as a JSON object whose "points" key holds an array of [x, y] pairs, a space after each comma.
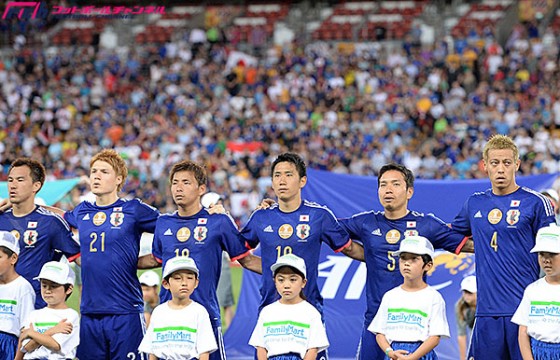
{"points": [[183, 234], [393, 236], [99, 218], [285, 231], [494, 216], [117, 218], [200, 232], [512, 216], [32, 224], [16, 234], [411, 233], [30, 237], [302, 231]]}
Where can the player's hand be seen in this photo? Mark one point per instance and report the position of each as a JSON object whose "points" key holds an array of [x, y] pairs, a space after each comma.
{"points": [[217, 209], [400, 354], [63, 327], [5, 205], [25, 333], [265, 204]]}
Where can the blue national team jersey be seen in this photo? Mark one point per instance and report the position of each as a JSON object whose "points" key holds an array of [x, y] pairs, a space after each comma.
{"points": [[300, 232], [202, 237], [381, 237], [504, 230], [42, 236], [110, 242]]}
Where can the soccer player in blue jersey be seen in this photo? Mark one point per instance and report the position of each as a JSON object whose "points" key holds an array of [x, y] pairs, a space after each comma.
{"points": [[43, 236], [503, 221], [294, 226], [381, 232], [112, 324], [192, 231]]}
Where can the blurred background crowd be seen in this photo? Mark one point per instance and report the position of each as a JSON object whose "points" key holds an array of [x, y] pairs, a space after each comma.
{"points": [[214, 85]]}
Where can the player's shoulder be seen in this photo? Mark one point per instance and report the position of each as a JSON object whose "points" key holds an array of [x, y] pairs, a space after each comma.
{"points": [[367, 215], [46, 214], [317, 208], [134, 203]]}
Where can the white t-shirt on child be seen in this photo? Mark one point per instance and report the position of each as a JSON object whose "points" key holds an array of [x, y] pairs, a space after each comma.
{"points": [[411, 316], [539, 310], [17, 300], [44, 319], [179, 333], [282, 329]]}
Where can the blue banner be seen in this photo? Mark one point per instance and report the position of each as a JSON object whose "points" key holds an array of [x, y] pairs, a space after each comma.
{"points": [[342, 280]]}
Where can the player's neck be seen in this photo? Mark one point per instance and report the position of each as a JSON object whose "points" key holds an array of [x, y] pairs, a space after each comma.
{"points": [[396, 214], [414, 285], [106, 199], [506, 191], [24, 208], [8, 276], [177, 304], [289, 205], [552, 280], [60, 306], [189, 210]]}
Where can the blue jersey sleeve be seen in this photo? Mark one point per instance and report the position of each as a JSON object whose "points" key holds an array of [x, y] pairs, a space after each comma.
{"points": [[147, 216], [231, 241], [442, 236], [70, 217], [63, 239], [353, 226], [544, 215], [462, 223], [333, 234], [249, 233], [157, 249]]}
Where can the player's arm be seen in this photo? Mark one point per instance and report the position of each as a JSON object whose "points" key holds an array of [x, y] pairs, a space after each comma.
{"points": [[153, 357], [40, 339], [262, 354], [311, 354], [63, 327], [428, 345], [204, 356], [148, 262], [251, 262], [386, 347], [524, 343], [354, 251], [468, 246]]}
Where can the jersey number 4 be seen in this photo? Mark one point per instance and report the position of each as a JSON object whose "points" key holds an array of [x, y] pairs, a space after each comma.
{"points": [[494, 241]]}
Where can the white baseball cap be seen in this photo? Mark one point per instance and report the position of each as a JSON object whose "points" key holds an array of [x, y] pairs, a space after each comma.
{"points": [[548, 240], [469, 284], [418, 245], [290, 260], [57, 272], [8, 240], [209, 199], [179, 263], [149, 278]]}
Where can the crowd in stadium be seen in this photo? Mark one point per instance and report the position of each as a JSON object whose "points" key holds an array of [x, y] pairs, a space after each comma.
{"points": [[347, 110]]}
